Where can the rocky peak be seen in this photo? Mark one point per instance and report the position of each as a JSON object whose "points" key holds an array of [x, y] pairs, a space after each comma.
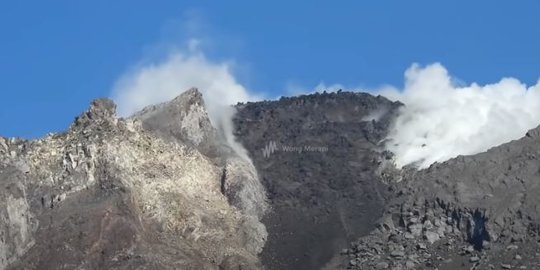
{"points": [[102, 110], [93, 196], [534, 133], [183, 119], [190, 97]]}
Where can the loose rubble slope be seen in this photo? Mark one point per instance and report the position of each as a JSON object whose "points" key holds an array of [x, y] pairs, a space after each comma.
{"points": [[329, 193]]}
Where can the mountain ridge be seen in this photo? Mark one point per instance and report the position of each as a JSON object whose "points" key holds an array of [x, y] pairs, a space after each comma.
{"points": [[164, 189]]}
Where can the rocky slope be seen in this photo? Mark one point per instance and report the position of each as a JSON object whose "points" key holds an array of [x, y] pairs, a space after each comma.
{"points": [[471, 212], [322, 178], [110, 194]]}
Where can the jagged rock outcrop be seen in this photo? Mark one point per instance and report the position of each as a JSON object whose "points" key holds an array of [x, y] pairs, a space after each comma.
{"points": [[185, 120], [110, 194]]}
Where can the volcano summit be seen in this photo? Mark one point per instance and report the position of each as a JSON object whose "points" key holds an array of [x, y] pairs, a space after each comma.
{"points": [[166, 189]]}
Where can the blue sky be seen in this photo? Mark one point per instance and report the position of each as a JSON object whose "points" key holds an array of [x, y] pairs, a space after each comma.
{"points": [[56, 56]]}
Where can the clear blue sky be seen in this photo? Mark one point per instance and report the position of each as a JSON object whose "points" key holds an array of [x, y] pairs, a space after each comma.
{"points": [[56, 56]]}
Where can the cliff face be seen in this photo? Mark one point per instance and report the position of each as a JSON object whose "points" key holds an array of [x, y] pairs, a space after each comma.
{"points": [[110, 194]]}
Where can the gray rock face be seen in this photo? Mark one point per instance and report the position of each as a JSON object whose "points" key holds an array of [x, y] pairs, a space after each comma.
{"points": [[318, 158], [114, 193], [183, 119]]}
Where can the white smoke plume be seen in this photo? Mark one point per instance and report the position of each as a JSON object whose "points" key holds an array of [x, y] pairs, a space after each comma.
{"points": [[441, 120], [181, 70]]}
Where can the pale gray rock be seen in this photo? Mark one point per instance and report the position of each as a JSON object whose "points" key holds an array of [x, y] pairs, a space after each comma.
{"points": [[110, 194], [431, 237], [184, 119]]}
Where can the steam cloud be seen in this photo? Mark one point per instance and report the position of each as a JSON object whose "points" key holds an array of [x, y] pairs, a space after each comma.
{"points": [[442, 120], [182, 70]]}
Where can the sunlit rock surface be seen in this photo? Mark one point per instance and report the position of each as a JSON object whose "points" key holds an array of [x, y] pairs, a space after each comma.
{"points": [[110, 194]]}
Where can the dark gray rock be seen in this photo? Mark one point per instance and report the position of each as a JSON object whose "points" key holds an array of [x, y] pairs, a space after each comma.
{"points": [[322, 177], [486, 202]]}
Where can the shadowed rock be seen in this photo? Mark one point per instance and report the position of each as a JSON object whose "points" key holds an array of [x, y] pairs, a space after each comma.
{"points": [[320, 174]]}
